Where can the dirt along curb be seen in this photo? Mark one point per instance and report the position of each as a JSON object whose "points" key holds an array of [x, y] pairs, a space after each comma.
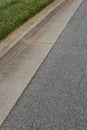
{"points": [[29, 27]]}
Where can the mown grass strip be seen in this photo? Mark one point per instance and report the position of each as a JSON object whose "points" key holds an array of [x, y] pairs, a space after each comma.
{"points": [[13, 13]]}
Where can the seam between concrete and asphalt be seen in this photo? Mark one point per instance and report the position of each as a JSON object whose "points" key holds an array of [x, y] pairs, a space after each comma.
{"points": [[18, 68], [29, 27]]}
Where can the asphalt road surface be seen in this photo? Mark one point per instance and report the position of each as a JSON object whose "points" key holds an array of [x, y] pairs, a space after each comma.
{"points": [[56, 98]]}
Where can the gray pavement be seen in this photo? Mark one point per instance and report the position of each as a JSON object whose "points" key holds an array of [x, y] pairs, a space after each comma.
{"points": [[56, 98]]}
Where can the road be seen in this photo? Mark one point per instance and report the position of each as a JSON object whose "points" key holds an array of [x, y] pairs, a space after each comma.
{"points": [[56, 98]]}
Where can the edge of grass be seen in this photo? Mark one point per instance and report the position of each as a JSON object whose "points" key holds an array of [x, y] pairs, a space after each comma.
{"points": [[14, 14]]}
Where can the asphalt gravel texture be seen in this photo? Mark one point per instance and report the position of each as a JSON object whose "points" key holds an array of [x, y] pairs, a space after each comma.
{"points": [[56, 98]]}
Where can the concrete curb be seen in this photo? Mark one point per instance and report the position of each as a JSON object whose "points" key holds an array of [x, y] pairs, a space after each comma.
{"points": [[30, 27]]}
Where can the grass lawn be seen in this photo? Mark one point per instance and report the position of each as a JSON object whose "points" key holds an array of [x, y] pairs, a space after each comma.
{"points": [[13, 13]]}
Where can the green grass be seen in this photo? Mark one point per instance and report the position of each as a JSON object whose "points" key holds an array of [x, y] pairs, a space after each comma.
{"points": [[13, 13]]}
